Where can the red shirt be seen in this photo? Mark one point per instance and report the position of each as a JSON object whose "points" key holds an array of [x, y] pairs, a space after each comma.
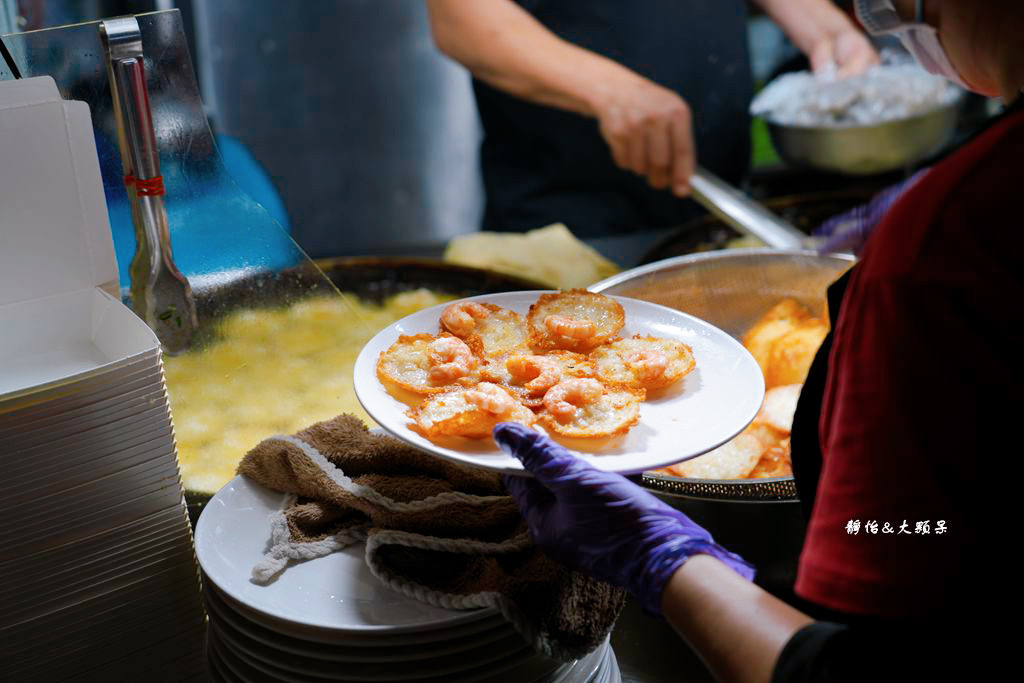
{"points": [[926, 360]]}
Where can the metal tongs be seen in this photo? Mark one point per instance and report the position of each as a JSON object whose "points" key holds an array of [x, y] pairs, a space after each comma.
{"points": [[743, 213], [160, 294]]}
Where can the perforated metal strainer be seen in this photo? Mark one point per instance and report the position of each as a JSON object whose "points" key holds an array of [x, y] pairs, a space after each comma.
{"points": [[730, 289]]}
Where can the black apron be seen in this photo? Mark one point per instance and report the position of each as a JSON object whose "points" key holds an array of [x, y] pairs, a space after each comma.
{"points": [[804, 439], [541, 165]]}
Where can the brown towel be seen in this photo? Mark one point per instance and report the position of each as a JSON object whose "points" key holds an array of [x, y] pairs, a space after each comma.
{"points": [[435, 530]]}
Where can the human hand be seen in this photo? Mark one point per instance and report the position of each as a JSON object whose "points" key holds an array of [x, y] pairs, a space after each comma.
{"points": [[601, 522], [648, 129], [848, 52]]}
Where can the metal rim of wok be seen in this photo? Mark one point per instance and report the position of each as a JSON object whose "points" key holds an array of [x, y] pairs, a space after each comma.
{"points": [[779, 489]]}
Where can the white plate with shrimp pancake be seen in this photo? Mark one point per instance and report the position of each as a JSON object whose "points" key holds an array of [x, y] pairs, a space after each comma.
{"points": [[703, 410]]}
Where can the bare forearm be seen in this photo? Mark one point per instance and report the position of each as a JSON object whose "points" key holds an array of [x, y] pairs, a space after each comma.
{"points": [[737, 628], [504, 46]]}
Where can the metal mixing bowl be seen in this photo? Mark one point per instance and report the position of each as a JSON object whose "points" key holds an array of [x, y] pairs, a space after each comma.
{"points": [[864, 150]]}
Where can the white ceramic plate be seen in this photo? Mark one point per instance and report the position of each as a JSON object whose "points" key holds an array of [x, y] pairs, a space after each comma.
{"points": [[344, 655], [334, 592], [712, 404]]}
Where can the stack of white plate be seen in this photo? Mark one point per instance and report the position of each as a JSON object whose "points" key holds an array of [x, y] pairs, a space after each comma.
{"points": [[329, 618], [95, 547]]}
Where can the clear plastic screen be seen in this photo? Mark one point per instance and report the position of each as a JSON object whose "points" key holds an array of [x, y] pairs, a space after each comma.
{"points": [[276, 340]]}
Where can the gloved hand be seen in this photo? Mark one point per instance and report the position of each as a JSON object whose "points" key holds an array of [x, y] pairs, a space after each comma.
{"points": [[600, 522], [849, 231]]}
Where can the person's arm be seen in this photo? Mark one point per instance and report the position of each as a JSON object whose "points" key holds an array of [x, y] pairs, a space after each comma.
{"points": [[824, 33], [611, 528], [737, 628], [647, 127]]}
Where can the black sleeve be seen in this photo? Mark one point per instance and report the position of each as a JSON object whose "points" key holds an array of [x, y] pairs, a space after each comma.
{"points": [[874, 651], [813, 654]]}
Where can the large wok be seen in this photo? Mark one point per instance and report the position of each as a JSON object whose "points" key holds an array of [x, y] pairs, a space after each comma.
{"points": [[372, 279]]}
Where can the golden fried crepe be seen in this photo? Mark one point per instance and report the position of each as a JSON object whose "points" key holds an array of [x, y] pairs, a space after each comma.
{"points": [[791, 355], [408, 363], [502, 331], [574, 320], [469, 412], [530, 376], [575, 408], [775, 462], [643, 362], [779, 320], [778, 407], [734, 459]]}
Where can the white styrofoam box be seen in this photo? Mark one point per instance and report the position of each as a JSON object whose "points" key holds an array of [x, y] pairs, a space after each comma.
{"points": [[54, 232], [25, 91], [66, 336]]}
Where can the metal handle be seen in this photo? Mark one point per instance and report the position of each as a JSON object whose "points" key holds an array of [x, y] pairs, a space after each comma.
{"points": [[161, 295], [130, 78], [741, 212]]}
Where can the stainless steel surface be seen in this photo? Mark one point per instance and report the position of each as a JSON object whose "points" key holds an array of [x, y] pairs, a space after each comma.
{"points": [[743, 213], [369, 132], [160, 294], [731, 288], [865, 150]]}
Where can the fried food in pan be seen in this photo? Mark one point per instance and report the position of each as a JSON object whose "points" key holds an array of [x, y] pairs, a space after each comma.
{"points": [[776, 461], [780, 319], [779, 406], [734, 459], [469, 412], [643, 362], [791, 355], [574, 320], [784, 341]]}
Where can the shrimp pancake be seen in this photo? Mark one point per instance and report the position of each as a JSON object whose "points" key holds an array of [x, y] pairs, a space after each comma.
{"points": [[502, 331], [407, 364], [614, 412], [452, 413], [575, 320], [643, 362]]}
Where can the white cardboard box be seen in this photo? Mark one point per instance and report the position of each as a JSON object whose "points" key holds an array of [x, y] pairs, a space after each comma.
{"points": [[59, 315]]}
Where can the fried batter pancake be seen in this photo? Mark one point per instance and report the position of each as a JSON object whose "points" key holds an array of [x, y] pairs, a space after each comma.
{"points": [[574, 320], [455, 413], [643, 362], [407, 364], [612, 412]]}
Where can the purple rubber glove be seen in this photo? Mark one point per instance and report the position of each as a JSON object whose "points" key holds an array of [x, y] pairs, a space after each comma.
{"points": [[600, 522], [849, 231]]}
